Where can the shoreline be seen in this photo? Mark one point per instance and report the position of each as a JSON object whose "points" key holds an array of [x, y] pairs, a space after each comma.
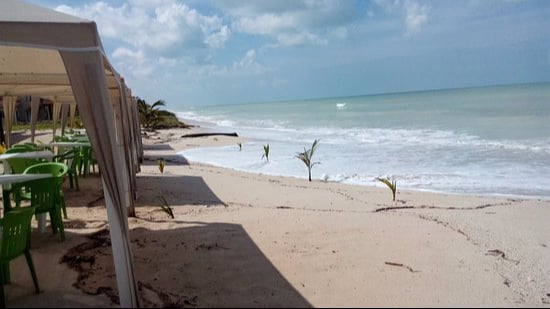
{"points": [[247, 240], [206, 127]]}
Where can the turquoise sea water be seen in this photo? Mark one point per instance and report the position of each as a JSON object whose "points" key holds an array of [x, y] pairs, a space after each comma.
{"points": [[489, 140]]}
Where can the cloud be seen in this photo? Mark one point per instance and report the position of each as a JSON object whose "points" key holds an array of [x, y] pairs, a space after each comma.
{"points": [[416, 16], [154, 31], [249, 63], [293, 22], [133, 61]]}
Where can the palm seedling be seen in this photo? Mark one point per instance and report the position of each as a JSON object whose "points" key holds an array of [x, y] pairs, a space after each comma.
{"points": [[166, 208], [307, 155], [266, 152], [392, 184]]}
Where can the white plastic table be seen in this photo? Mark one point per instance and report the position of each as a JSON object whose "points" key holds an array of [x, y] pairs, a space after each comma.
{"points": [[8, 180], [43, 154], [70, 144]]}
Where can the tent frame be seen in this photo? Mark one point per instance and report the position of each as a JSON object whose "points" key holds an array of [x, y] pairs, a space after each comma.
{"points": [[73, 68]]}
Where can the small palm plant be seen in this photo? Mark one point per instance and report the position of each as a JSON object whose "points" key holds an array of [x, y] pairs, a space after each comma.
{"points": [[166, 208], [307, 155], [392, 184], [266, 152]]}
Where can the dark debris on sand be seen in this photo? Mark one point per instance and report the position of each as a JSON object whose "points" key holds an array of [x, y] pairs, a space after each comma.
{"points": [[83, 258]]}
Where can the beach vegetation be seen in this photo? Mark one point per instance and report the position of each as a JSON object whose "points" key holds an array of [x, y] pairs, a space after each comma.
{"points": [[152, 117], [166, 208], [42, 125], [392, 184], [149, 114], [266, 152], [307, 155], [161, 165]]}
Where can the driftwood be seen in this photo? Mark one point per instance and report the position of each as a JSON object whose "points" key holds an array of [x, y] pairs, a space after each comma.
{"points": [[393, 208], [209, 134], [499, 253], [402, 265]]}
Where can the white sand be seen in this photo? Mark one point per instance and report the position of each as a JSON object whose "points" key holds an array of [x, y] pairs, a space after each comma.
{"points": [[244, 240]]}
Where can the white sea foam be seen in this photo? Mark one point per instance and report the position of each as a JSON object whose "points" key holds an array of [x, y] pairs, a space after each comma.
{"points": [[424, 145]]}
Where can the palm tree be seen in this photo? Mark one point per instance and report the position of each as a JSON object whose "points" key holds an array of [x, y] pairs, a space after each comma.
{"points": [[306, 157], [149, 114], [266, 152], [392, 184]]}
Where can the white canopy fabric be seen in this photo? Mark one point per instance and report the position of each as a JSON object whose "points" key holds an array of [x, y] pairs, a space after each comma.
{"points": [[55, 116], [64, 114], [60, 57], [35, 106], [72, 115], [9, 111]]}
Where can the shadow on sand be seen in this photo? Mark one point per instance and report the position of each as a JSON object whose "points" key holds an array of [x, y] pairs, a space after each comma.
{"points": [[177, 190], [171, 158], [188, 263], [203, 265]]}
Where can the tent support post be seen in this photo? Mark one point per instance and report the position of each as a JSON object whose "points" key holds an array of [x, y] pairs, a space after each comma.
{"points": [[122, 258]]}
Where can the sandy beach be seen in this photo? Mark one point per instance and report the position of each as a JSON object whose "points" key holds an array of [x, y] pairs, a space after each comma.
{"points": [[246, 240]]}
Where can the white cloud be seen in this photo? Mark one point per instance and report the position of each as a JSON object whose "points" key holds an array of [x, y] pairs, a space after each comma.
{"points": [[265, 24], [293, 22], [135, 63], [151, 36], [218, 39], [300, 38], [248, 60], [249, 63], [167, 62], [416, 16], [150, 4]]}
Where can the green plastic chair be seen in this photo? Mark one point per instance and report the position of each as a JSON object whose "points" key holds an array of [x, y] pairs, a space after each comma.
{"points": [[32, 146], [73, 160], [87, 158], [15, 241], [18, 149], [59, 138], [58, 171], [46, 195], [18, 165]]}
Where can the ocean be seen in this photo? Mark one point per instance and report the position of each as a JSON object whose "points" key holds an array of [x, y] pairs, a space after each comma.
{"points": [[487, 140]]}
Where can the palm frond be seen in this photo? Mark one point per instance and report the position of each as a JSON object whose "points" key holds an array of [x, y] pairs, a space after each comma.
{"points": [[266, 152], [306, 157], [166, 208], [392, 184], [161, 165]]}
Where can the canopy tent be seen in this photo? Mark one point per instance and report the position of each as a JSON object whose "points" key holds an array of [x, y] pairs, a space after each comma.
{"points": [[60, 57]]}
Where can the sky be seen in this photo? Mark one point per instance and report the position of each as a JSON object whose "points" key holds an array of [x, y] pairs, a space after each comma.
{"points": [[210, 52]]}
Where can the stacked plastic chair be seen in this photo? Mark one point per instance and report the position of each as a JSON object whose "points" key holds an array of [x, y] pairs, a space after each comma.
{"points": [[16, 226], [46, 194]]}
